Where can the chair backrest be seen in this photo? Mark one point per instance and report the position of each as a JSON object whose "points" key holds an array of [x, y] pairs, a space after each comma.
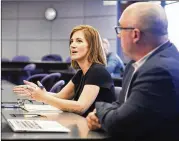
{"points": [[117, 91], [5, 60], [68, 60], [52, 57], [57, 86], [36, 77], [29, 68], [49, 80], [20, 58]]}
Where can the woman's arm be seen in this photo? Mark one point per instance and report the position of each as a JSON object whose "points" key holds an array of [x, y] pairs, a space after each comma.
{"points": [[85, 100], [66, 93]]}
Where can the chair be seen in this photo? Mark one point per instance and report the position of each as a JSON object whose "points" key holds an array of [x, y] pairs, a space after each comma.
{"points": [[36, 77], [117, 91], [68, 60], [49, 80], [57, 86], [5, 60], [15, 79], [29, 68], [52, 57], [20, 58], [4, 77]]}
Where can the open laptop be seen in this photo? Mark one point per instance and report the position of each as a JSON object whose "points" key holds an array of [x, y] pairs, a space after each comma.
{"points": [[34, 125]]}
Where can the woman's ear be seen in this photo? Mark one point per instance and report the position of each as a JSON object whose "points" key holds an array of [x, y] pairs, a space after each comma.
{"points": [[136, 35]]}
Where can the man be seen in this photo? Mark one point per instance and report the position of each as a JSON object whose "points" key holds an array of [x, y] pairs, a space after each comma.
{"points": [[148, 104], [115, 65]]}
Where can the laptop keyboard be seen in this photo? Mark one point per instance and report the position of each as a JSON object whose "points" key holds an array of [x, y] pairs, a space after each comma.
{"points": [[27, 124]]}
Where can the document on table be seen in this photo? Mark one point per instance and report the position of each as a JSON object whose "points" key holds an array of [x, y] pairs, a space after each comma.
{"points": [[35, 107]]}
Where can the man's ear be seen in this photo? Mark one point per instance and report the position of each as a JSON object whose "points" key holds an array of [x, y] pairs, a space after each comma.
{"points": [[136, 35]]}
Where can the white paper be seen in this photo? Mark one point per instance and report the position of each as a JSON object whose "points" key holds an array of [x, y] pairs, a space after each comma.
{"points": [[34, 107]]}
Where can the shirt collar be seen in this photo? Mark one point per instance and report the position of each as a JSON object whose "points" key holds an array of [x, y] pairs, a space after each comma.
{"points": [[140, 62]]}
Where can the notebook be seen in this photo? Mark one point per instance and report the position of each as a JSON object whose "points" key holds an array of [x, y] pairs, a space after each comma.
{"points": [[34, 107], [34, 125]]}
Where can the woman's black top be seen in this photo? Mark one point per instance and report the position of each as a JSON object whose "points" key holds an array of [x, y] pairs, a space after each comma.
{"points": [[99, 76]]}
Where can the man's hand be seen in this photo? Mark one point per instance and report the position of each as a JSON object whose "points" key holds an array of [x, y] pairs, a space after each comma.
{"points": [[93, 121]]}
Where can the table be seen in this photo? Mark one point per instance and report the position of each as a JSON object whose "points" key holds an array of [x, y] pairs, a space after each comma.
{"points": [[14, 71], [40, 65], [76, 123]]}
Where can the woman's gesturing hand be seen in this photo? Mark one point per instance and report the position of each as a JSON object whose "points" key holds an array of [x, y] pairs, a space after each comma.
{"points": [[36, 93], [30, 90]]}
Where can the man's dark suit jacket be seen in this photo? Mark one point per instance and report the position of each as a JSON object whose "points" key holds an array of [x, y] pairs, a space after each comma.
{"points": [[151, 111]]}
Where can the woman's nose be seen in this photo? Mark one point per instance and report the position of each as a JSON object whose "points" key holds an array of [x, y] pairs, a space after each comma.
{"points": [[72, 46]]}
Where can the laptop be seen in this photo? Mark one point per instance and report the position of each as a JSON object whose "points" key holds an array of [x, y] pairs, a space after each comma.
{"points": [[34, 125]]}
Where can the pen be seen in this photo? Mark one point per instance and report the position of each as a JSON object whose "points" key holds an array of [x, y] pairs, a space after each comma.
{"points": [[40, 84]]}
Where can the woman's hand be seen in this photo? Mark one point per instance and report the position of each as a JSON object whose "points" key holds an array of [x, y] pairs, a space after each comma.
{"points": [[36, 93], [22, 90]]}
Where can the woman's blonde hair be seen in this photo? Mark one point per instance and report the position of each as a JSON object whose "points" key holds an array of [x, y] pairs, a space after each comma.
{"points": [[96, 52]]}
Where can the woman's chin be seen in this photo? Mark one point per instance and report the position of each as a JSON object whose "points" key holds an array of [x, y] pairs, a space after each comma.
{"points": [[74, 58], [77, 58]]}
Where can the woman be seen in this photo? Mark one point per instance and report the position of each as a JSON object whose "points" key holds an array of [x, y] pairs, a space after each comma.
{"points": [[90, 84]]}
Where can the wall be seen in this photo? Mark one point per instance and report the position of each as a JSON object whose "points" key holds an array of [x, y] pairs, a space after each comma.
{"points": [[26, 31]]}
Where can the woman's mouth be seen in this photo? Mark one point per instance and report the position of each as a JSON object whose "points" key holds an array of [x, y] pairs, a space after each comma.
{"points": [[74, 52]]}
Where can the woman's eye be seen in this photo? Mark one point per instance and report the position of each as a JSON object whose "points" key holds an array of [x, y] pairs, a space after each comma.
{"points": [[71, 41], [79, 41]]}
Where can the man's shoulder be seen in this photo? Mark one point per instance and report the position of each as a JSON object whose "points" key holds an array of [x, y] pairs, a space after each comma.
{"points": [[160, 66], [164, 59]]}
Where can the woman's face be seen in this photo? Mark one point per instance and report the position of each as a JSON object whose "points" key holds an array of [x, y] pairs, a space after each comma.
{"points": [[78, 46]]}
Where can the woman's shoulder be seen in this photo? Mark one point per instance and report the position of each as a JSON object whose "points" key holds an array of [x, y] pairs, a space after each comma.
{"points": [[97, 66], [78, 74], [98, 69]]}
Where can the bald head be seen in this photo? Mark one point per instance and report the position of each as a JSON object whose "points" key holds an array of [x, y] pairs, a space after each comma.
{"points": [[146, 16]]}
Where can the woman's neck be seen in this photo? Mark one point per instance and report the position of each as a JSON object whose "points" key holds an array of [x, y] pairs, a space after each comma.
{"points": [[84, 65]]}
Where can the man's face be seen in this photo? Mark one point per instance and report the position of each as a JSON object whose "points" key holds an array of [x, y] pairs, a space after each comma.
{"points": [[126, 37]]}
